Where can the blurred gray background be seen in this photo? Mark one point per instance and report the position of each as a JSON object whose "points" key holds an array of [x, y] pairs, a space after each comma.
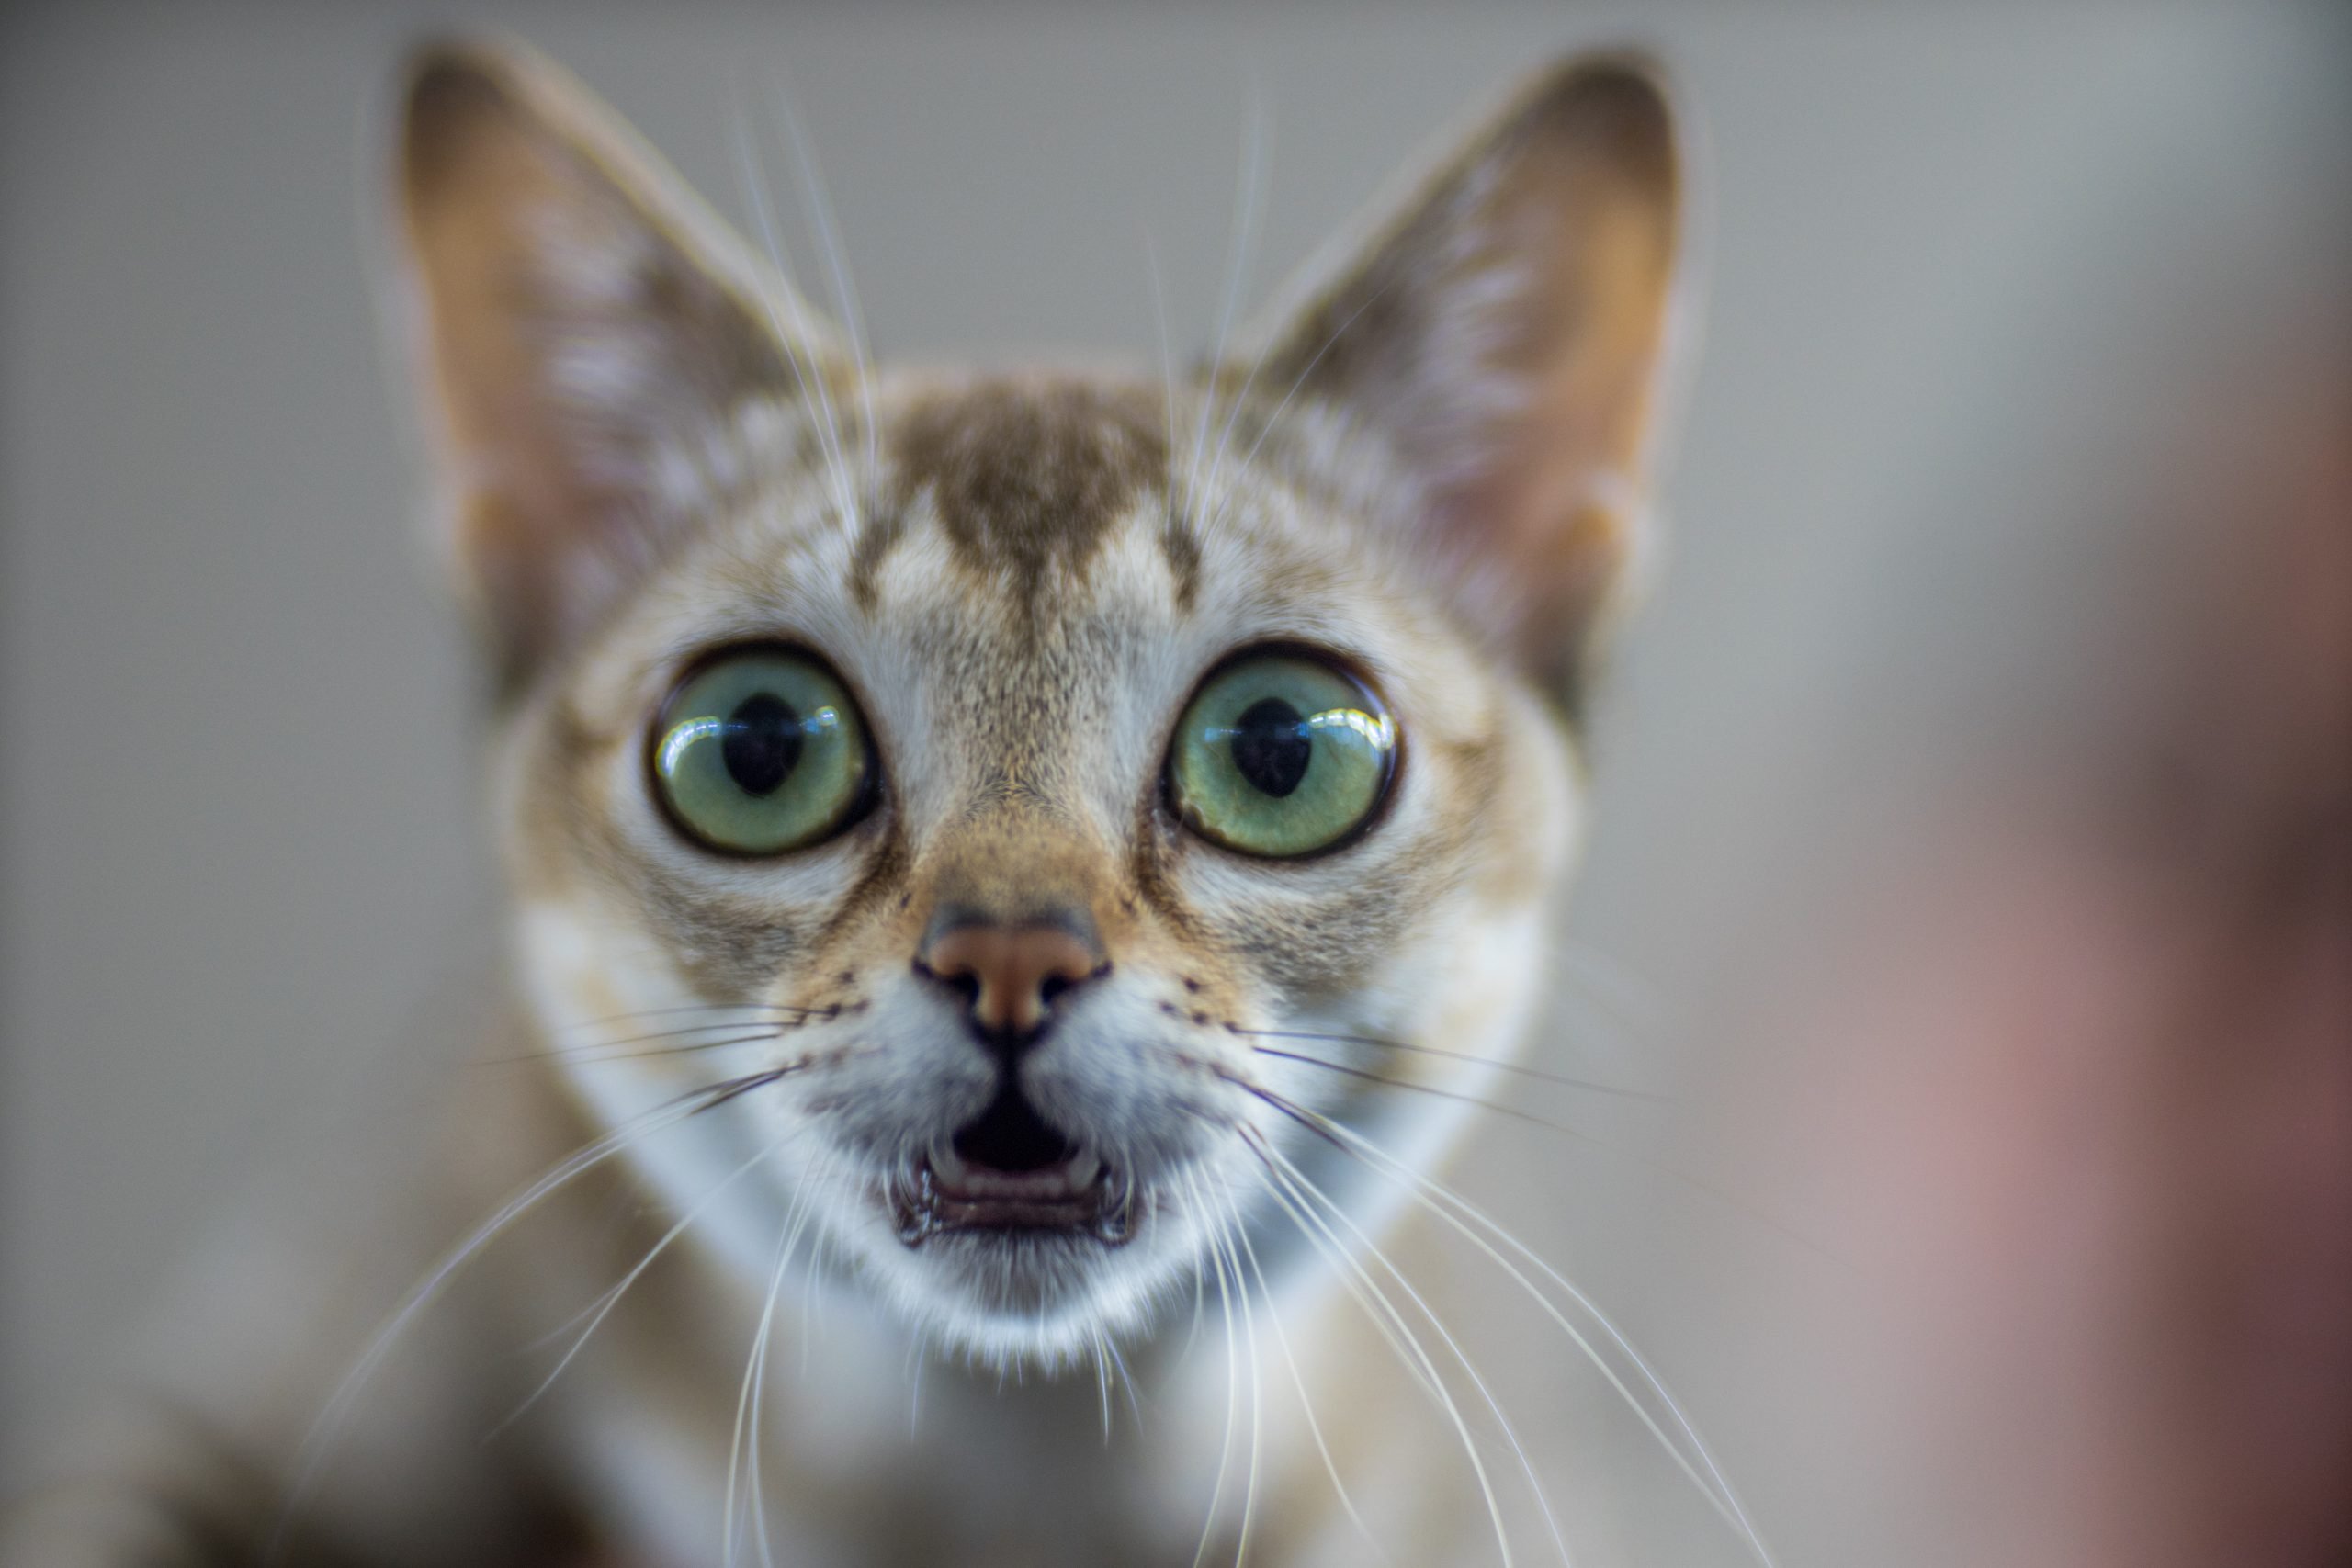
{"points": [[240, 851]]}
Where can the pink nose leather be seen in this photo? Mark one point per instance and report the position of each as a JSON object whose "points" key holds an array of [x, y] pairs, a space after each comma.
{"points": [[1017, 971]]}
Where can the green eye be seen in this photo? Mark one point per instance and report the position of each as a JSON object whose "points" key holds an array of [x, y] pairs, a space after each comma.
{"points": [[1280, 755], [760, 752]]}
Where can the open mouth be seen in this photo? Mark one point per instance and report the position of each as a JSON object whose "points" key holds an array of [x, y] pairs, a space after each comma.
{"points": [[1010, 1170]]}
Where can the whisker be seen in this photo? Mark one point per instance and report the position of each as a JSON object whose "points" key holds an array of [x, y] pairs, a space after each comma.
{"points": [[761, 1534], [1126, 1378], [1357, 1282], [1304, 1215], [1298, 383], [615, 1050], [808, 1289], [1260, 138], [819, 203], [1307, 1405], [918, 1358], [1286, 1107], [1494, 1404], [694, 1048], [1232, 1376], [1192, 1335], [1248, 203], [735, 1089], [792, 335], [798, 1221], [1172, 501], [1727, 1501], [1426, 1190], [1232, 1265], [1369, 1077], [756, 1015], [603, 1307], [317, 1443], [769, 1007], [1730, 1200], [746, 1413], [1516, 1069], [1101, 1380]]}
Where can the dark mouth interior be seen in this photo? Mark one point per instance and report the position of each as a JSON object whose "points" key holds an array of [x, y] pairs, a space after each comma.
{"points": [[1013, 1174], [1011, 1136]]}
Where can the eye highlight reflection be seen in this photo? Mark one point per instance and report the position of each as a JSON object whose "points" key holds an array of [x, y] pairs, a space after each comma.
{"points": [[1280, 755], [761, 752]]}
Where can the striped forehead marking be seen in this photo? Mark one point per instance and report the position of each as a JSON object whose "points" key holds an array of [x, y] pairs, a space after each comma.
{"points": [[1026, 480]]}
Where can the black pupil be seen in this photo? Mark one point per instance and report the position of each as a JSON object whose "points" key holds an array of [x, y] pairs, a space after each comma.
{"points": [[760, 742], [1271, 746]]}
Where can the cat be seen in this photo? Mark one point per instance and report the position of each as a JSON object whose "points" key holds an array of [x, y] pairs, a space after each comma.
{"points": [[1009, 868]]}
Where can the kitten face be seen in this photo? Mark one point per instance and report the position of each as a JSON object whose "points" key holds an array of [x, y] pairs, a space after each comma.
{"points": [[1023, 709], [1046, 799]]}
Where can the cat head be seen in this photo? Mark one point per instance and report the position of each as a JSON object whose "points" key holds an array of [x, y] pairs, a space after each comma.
{"points": [[1018, 828]]}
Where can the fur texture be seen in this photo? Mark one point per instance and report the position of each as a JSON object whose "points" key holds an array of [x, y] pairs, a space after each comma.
{"points": [[1429, 469]]}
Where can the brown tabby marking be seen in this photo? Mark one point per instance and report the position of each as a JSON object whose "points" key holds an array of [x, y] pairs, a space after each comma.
{"points": [[1028, 478]]}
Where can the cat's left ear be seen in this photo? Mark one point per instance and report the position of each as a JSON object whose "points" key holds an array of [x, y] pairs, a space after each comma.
{"points": [[1501, 337], [589, 331]]}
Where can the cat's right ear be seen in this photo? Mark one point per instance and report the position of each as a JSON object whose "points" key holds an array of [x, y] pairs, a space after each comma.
{"points": [[1502, 330], [586, 331]]}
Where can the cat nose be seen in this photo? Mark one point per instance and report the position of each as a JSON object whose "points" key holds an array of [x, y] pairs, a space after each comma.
{"points": [[1010, 975]]}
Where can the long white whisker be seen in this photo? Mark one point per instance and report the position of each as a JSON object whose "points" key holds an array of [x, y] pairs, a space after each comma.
{"points": [[820, 213], [1175, 502], [808, 1310], [1307, 1405], [1126, 1380], [1200, 1289], [1248, 203], [1309, 1191], [1298, 383], [1241, 397], [798, 1228], [794, 335], [767, 1009], [1396, 1329], [603, 1307], [1770, 1222], [1438, 1053], [1232, 1376], [1370, 1298], [730, 1530], [1102, 1381], [1428, 1191], [919, 1358], [597, 1055], [1257, 1380], [754, 1464], [323, 1431]]}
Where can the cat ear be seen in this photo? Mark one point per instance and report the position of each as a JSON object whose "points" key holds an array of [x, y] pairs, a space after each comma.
{"points": [[1501, 336], [587, 332]]}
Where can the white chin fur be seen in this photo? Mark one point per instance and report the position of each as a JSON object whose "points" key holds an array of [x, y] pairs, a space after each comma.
{"points": [[933, 1290]]}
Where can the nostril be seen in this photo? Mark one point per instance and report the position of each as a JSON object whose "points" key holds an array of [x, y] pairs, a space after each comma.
{"points": [[964, 985], [1010, 978], [1056, 983]]}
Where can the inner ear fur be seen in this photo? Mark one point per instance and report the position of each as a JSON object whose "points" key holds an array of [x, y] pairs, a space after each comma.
{"points": [[1501, 332], [586, 330]]}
